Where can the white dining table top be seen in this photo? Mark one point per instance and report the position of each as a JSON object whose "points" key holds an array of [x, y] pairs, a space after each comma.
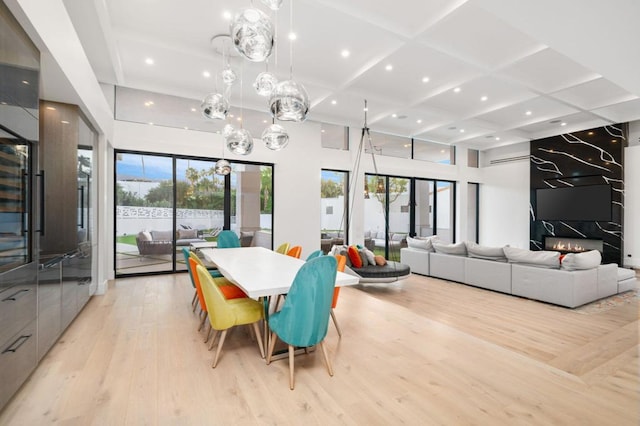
{"points": [[259, 271]]}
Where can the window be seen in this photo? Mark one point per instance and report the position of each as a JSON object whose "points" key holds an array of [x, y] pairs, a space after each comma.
{"points": [[334, 136], [334, 215]]}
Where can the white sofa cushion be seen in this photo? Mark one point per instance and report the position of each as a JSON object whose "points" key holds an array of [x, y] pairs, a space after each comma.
{"points": [[422, 243], [485, 252], [586, 260], [457, 249], [543, 259]]}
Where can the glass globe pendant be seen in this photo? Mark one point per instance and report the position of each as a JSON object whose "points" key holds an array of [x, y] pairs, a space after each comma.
{"points": [[275, 137], [265, 83], [272, 4], [222, 167], [229, 76], [240, 142], [227, 129], [215, 106], [252, 34], [289, 101]]}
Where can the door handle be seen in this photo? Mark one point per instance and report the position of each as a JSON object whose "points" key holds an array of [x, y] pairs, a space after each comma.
{"points": [[17, 295], [13, 347]]}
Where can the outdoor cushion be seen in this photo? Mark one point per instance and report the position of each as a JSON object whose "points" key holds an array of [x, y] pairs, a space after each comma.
{"points": [[184, 234], [144, 236], [162, 235]]}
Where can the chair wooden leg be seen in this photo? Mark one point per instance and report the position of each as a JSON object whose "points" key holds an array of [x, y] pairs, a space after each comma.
{"points": [[194, 300], [256, 328], [272, 345], [213, 339], [220, 343], [326, 358], [291, 360], [202, 321], [206, 338], [335, 322]]}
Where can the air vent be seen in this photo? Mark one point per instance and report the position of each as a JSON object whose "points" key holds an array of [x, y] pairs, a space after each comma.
{"points": [[509, 159]]}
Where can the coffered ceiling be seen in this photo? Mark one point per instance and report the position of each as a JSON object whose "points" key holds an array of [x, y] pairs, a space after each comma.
{"points": [[476, 73]]}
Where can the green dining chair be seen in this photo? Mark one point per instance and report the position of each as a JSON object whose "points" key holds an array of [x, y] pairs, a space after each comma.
{"points": [[304, 317], [228, 239]]}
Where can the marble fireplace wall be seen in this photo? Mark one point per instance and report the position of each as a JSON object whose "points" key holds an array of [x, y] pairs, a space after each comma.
{"points": [[588, 157]]}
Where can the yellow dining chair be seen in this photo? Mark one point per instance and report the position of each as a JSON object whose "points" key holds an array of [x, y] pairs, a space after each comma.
{"points": [[283, 248], [224, 314]]}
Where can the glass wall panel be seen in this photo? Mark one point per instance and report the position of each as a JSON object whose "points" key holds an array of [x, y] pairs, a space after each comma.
{"points": [[334, 136], [445, 210], [424, 208], [375, 213], [199, 204], [251, 207], [334, 199], [399, 214], [434, 152], [144, 213], [389, 145], [472, 212]]}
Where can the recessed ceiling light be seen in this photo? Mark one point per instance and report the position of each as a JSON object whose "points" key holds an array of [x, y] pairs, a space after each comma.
{"points": [[186, 128], [50, 108], [419, 121], [193, 110], [231, 115], [148, 103], [497, 138], [394, 115], [333, 102], [149, 61], [484, 98], [25, 82], [345, 53], [407, 145], [457, 90], [239, 118], [563, 124], [150, 123], [206, 74], [64, 122], [442, 151], [389, 67], [227, 15], [425, 79], [265, 121], [528, 113], [292, 36], [461, 130], [322, 131]]}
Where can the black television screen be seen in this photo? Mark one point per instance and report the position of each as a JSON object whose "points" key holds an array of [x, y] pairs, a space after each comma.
{"points": [[577, 203]]}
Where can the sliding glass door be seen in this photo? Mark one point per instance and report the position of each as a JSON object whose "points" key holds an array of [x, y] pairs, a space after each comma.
{"points": [[164, 203], [334, 215]]}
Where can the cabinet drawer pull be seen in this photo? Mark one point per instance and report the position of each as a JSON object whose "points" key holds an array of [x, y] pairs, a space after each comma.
{"points": [[17, 295], [17, 343]]}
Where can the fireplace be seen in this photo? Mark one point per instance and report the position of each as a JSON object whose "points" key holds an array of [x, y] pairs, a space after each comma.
{"points": [[571, 244]]}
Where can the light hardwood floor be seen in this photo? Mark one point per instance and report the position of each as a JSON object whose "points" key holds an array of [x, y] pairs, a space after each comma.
{"points": [[421, 351]]}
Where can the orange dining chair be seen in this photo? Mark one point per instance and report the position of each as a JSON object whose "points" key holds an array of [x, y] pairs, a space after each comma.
{"points": [[230, 293], [342, 262], [282, 248], [295, 251], [225, 314]]}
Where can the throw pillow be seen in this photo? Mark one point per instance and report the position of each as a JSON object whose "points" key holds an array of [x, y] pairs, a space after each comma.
{"points": [[370, 256], [363, 257], [544, 259], [187, 234], [354, 256], [586, 260], [380, 261], [162, 235], [484, 252], [457, 249], [344, 252]]}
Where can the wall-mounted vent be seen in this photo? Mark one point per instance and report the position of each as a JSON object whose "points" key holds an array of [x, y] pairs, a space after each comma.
{"points": [[510, 159]]}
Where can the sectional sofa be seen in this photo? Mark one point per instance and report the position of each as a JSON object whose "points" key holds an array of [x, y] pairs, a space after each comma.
{"points": [[538, 275]]}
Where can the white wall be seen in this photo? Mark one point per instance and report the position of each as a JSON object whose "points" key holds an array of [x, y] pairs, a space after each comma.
{"points": [[632, 206], [504, 198]]}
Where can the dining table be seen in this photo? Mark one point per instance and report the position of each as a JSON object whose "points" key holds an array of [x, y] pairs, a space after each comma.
{"points": [[261, 272]]}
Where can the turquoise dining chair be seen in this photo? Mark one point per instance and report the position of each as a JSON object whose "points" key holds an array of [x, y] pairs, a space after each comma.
{"points": [[228, 239], [315, 254], [304, 317]]}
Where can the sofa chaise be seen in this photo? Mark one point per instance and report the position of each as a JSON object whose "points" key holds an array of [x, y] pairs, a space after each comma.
{"points": [[538, 275]]}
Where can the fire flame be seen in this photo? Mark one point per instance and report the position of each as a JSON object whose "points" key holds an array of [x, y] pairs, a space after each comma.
{"points": [[560, 245]]}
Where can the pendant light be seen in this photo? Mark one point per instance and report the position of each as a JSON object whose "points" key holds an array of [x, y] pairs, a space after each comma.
{"points": [[222, 166], [239, 141], [272, 4], [275, 137], [252, 34], [216, 105], [289, 100]]}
